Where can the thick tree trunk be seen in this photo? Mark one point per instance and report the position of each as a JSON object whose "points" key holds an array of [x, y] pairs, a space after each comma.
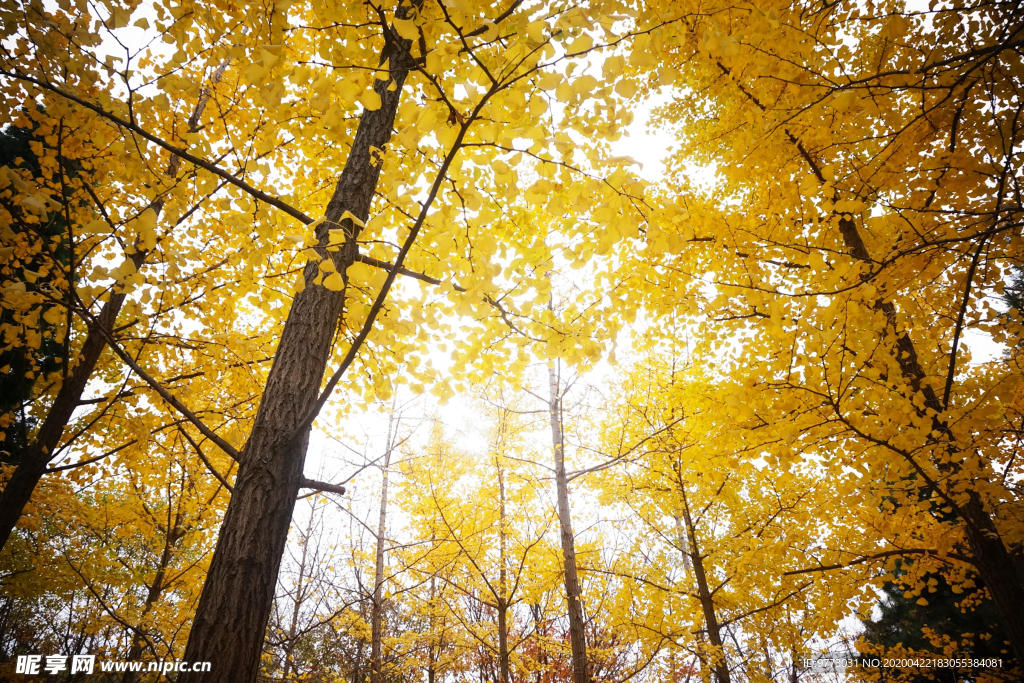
{"points": [[707, 602], [577, 637], [377, 606], [235, 604], [40, 452]]}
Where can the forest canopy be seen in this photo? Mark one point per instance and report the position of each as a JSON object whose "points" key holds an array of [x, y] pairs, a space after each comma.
{"points": [[444, 340]]}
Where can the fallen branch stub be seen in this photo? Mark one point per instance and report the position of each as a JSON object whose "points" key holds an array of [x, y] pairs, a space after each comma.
{"points": [[321, 486]]}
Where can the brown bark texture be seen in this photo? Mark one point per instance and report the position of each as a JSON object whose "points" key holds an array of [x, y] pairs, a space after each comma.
{"points": [[235, 604]]}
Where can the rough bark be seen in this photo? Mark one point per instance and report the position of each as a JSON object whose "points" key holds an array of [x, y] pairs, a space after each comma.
{"points": [[235, 604], [40, 452], [707, 602], [577, 636]]}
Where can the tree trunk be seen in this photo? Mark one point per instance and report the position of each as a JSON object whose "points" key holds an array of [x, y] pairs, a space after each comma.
{"points": [[40, 452], [540, 631], [156, 589], [707, 602], [239, 590], [503, 598], [432, 654], [577, 637], [293, 626], [376, 607]]}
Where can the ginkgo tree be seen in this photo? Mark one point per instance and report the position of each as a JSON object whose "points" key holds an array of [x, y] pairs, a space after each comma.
{"points": [[437, 94], [234, 217], [863, 222], [123, 560], [489, 536]]}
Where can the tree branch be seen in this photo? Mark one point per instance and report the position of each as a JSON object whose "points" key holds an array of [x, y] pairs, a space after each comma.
{"points": [[138, 130]]}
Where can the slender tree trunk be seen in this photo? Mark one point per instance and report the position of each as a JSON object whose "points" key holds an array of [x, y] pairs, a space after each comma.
{"points": [[377, 606], [540, 631], [239, 590], [769, 669], [156, 589], [40, 452], [577, 637], [300, 598], [707, 601], [503, 598], [432, 650]]}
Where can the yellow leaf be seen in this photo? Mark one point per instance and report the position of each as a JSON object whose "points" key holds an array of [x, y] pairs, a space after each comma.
{"points": [[434, 64], [34, 205], [370, 99], [269, 58], [626, 88], [334, 282], [581, 44], [406, 28], [613, 67], [52, 315], [535, 31], [348, 216], [549, 80], [255, 74]]}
